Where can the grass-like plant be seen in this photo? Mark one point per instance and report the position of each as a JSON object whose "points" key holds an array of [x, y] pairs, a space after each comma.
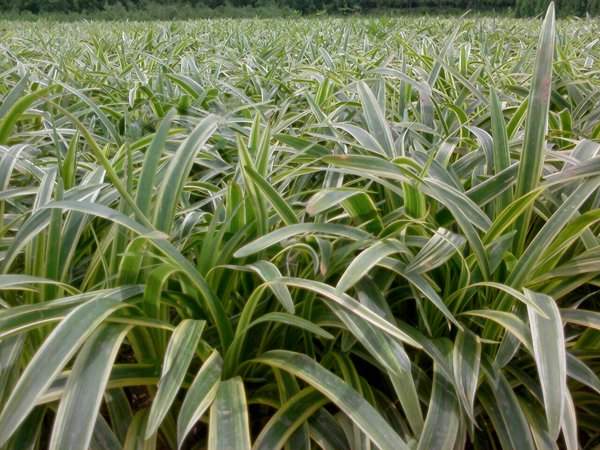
{"points": [[311, 233]]}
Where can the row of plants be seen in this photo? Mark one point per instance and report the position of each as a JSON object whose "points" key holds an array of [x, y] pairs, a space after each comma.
{"points": [[311, 233], [185, 9]]}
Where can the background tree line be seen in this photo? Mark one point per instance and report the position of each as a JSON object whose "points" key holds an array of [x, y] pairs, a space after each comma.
{"points": [[519, 7]]}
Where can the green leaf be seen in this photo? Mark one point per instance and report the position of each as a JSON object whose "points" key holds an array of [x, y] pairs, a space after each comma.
{"points": [[289, 418], [135, 439], [505, 218], [375, 118], [295, 321], [551, 229], [79, 407], [200, 395], [438, 249], [357, 203], [509, 321], [16, 281], [352, 306], [369, 165], [103, 437], [466, 357], [358, 410], [10, 351], [10, 117], [569, 423], [363, 137], [177, 172], [284, 210], [579, 371], [363, 263], [119, 412], [269, 273], [212, 305], [228, 426], [51, 357], [178, 356], [509, 413], [443, 417], [146, 184], [550, 357], [387, 351], [327, 432], [583, 317], [281, 234], [533, 153], [501, 146], [423, 286], [15, 93]]}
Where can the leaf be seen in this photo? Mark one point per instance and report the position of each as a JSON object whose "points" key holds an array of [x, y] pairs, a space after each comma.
{"points": [[550, 357], [212, 305], [423, 286], [51, 357], [281, 234], [466, 357], [330, 198], [387, 351], [369, 165], [532, 155], [10, 117], [200, 395], [352, 306], [569, 423], [37, 222], [551, 229], [146, 184], [180, 351], [20, 319], [269, 273], [509, 321], [109, 127], [343, 396], [79, 407], [284, 210], [511, 292], [10, 350], [327, 432], [364, 138], [17, 281], [579, 371], [375, 118], [443, 417], [363, 263], [585, 318], [177, 172], [28, 434], [103, 437], [508, 412], [456, 202], [15, 93], [505, 218], [119, 412], [501, 146], [288, 418], [295, 321], [228, 427], [467, 215], [135, 434], [438, 249]]}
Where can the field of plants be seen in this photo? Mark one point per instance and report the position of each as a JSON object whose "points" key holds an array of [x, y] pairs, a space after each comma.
{"points": [[360, 233]]}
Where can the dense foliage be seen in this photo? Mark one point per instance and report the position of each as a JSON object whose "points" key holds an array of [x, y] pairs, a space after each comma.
{"points": [[208, 8], [310, 233]]}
